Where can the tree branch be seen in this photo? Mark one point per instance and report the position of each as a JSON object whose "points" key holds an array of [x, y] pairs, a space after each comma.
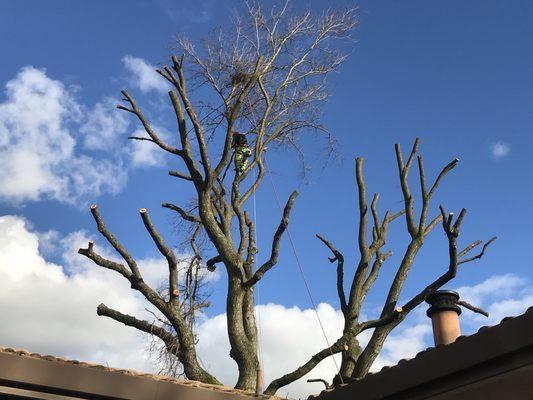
{"points": [[103, 262], [114, 242], [376, 323], [211, 263], [363, 247], [165, 251], [171, 343], [451, 165], [340, 272], [451, 233], [182, 90], [184, 214], [379, 259], [337, 347], [403, 169], [141, 139], [180, 175], [325, 382], [473, 308], [135, 110], [478, 256], [275, 243]]}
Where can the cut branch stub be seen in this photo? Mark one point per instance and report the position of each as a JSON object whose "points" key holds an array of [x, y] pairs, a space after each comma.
{"points": [[472, 308]]}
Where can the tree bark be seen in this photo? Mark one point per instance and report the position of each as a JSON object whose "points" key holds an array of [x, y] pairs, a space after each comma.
{"points": [[242, 332], [351, 353]]}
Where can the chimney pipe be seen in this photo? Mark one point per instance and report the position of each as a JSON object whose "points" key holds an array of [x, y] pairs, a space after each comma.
{"points": [[444, 313]]}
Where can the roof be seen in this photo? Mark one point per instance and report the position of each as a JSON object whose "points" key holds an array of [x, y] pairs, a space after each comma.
{"points": [[22, 371], [504, 351]]}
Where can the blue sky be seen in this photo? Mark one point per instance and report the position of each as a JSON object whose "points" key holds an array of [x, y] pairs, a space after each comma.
{"points": [[456, 74]]}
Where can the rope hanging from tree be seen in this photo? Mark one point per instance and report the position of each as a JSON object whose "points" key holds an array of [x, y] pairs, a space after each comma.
{"points": [[300, 269]]}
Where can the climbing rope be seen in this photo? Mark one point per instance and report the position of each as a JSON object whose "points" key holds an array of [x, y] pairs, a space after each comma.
{"points": [[298, 263]]}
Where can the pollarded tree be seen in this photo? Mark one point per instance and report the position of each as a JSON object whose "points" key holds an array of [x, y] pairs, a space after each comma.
{"points": [[356, 362], [268, 77]]}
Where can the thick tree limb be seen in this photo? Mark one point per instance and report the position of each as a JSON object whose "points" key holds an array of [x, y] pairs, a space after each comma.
{"points": [[182, 90], [114, 242], [275, 243], [196, 176], [363, 247], [171, 343], [165, 251]]}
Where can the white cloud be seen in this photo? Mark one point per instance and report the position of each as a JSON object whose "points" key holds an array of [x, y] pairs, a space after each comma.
{"points": [[46, 137], [51, 309], [144, 76], [288, 336], [501, 295], [38, 158], [189, 11], [498, 285], [404, 342], [104, 126], [145, 153], [500, 149]]}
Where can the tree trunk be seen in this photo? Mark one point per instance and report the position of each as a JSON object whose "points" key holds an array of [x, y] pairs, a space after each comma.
{"points": [[372, 350], [349, 357], [242, 332], [187, 353]]}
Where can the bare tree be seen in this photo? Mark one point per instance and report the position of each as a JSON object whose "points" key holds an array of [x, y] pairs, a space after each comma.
{"points": [[356, 361], [269, 78]]}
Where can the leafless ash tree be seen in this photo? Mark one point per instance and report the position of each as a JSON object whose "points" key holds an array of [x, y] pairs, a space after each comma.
{"points": [[268, 79]]}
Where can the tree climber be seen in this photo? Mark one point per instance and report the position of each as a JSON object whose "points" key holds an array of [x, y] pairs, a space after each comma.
{"points": [[241, 153]]}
